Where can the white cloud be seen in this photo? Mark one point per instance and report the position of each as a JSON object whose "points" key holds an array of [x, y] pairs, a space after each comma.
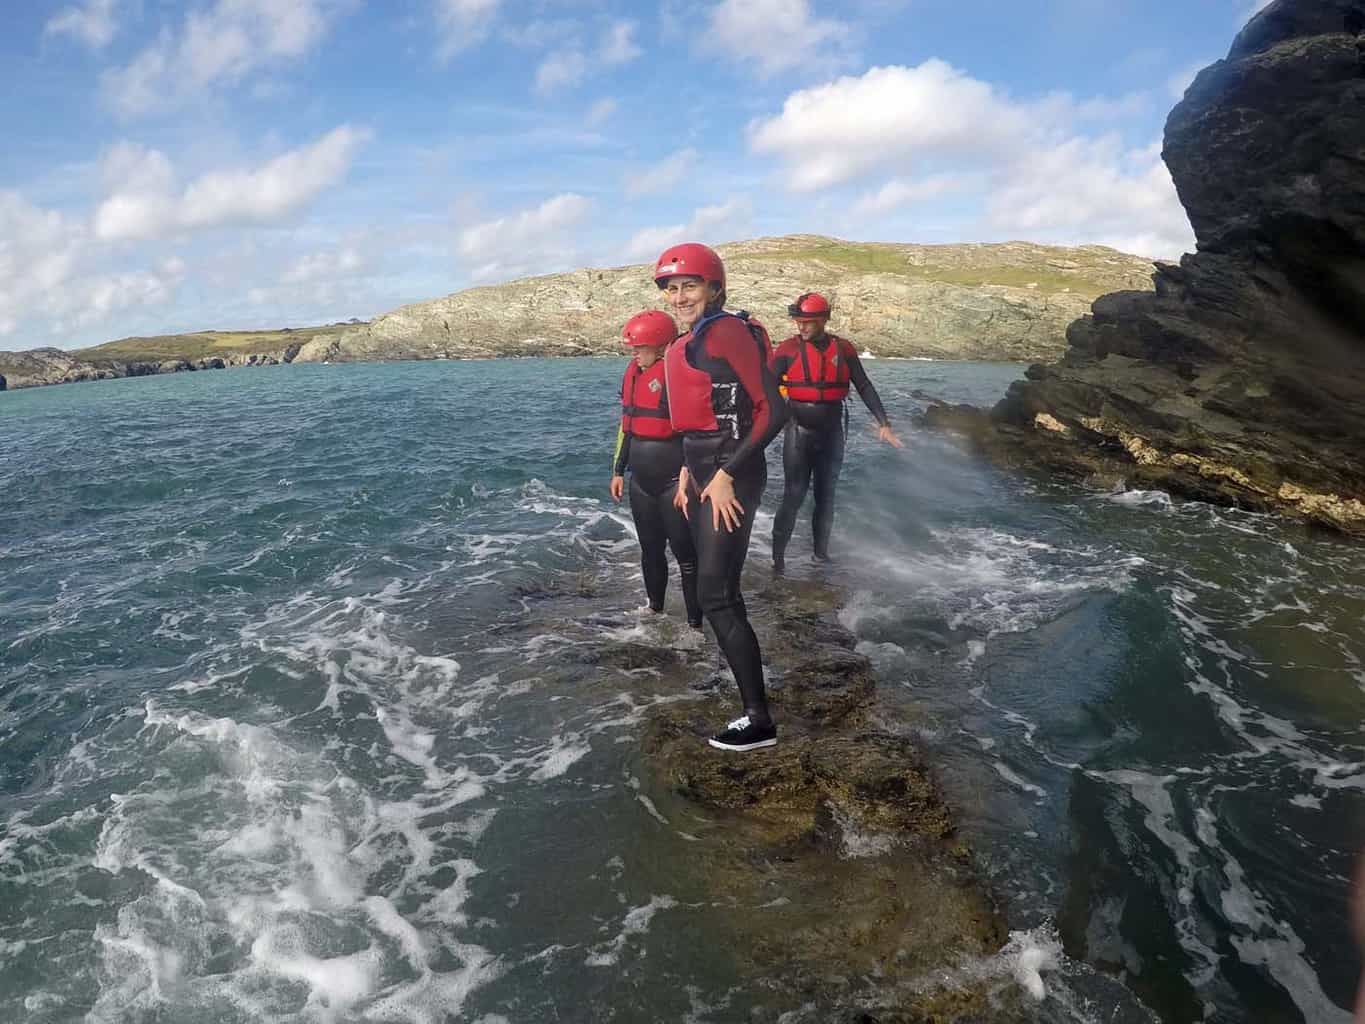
{"points": [[775, 35], [721, 222], [325, 280], [618, 46], [145, 204], [902, 192], [38, 253], [1093, 190], [1032, 170], [217, 46], [601, 111], [45, 273], [570, 62], [661, 176], [561, 71], [97, 297], [833, 133], [93, 23], [326, 265], [531, 240], [461, 24]]}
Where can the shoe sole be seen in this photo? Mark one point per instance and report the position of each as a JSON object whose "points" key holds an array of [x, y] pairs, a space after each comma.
{"points": [[747, 746]]}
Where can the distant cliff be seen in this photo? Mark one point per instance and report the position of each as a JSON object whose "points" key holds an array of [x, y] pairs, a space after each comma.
{"points": [[1000, 302]]}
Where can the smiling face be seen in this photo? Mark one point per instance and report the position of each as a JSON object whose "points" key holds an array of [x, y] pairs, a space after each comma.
{"points": [[811, 330], [688, 296]]}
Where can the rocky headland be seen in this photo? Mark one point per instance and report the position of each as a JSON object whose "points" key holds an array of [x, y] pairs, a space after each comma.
{"points": [[999, 302], [872, 908], [1241, 378]]}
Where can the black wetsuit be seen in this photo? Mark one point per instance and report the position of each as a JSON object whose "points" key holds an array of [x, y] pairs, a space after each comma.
{"points": [[813, 447], [750, 410], [654, 465]]}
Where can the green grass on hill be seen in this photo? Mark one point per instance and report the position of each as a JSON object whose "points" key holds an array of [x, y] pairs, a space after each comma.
{"points": [[203, 344], [872, 258], [868, 258]]}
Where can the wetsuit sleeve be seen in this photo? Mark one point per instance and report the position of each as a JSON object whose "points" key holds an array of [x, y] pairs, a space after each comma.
{"points": [[622, 459], [731, 341], [866, 391]]}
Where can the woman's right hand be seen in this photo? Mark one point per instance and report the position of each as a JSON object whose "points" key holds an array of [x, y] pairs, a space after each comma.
{"points": [[680, 495], [618, 487]]}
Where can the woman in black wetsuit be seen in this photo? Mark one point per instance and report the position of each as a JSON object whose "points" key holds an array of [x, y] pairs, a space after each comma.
{"points": [[648, 448], [816, 370], [724, 400]]}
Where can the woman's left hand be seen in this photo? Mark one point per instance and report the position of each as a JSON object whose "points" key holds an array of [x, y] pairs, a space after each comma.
{"points": [[720, 492], [885, 433]]}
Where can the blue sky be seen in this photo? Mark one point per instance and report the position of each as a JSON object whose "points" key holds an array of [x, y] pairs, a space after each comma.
{"points": [[260, 163]]}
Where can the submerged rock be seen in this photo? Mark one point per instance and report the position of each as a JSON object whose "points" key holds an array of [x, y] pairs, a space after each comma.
{"points": [[839, 833], [1240, 379]]}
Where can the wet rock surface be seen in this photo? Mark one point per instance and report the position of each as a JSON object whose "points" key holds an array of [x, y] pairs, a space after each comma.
{"points": [[1240, 379], [869, 902]]}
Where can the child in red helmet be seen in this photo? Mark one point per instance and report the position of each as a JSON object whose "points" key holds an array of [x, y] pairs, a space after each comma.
{"points": [[816, 369], [651, 451], [725, 402]]}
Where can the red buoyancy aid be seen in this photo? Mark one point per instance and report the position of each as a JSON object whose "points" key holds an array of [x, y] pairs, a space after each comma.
{"points": [[644, 402], [818, 376], [689, 390]]}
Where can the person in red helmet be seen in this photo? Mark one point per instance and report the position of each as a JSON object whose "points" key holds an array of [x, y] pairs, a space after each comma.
{"points": [[725, 402], [816, 369], [651, 452]]}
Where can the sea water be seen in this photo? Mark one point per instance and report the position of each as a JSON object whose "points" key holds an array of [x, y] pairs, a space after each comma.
{"points": [[301, 718]]}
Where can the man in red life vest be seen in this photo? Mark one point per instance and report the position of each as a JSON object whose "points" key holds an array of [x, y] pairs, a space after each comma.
{"points": [[648, 448], [816, 369]]}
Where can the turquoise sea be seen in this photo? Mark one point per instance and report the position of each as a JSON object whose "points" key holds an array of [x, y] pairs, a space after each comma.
{"points": [[300, 718]]}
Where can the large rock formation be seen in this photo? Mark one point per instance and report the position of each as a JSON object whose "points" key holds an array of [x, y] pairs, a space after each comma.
{"points": [[1005, 302], [1242, 378]]}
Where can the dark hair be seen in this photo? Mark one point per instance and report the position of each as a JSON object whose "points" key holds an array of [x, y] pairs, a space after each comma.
{"points": [[717, 302]]}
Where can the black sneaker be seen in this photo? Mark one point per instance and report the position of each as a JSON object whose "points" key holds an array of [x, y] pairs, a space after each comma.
{"points": [[741, 735], [779, 565]]}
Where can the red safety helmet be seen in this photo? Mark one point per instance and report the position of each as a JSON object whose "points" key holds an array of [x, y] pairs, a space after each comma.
{"points": [[692, 259], [811, 306], [653, 328]]}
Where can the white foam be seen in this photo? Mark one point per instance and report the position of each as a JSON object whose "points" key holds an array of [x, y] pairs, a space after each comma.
{"points": [[337, 983], [1263, 939], [1139, 498], [564, 752], [1013, 778], [636, 922]]}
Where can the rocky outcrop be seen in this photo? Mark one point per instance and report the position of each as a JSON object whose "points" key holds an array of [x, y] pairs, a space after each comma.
{"points": [[871, 901], [1240, 379], [1005, 302], [43, 366]]}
